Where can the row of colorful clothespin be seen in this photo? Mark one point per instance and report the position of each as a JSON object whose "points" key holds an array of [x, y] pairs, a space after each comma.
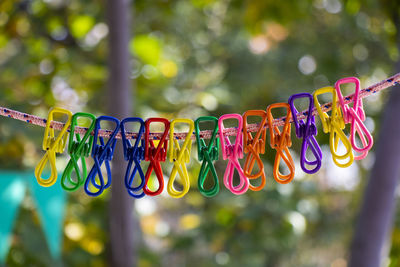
{"points": [[251, 144]]}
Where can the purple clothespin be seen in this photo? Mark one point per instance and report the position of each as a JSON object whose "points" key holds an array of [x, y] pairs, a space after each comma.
{"points": [[307, 130]]}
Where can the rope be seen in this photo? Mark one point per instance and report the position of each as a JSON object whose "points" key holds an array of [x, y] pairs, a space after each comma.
{"points": [[17, 115]]}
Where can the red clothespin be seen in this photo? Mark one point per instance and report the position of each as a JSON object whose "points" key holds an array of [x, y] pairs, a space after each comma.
{"points": [[155, 155]]}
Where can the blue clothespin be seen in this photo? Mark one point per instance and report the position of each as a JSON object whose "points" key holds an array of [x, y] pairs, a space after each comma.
{"points": [[101, 152], [133, 154]]}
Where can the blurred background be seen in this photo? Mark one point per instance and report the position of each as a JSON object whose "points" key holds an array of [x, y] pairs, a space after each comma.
{"points": [[189, 58]]}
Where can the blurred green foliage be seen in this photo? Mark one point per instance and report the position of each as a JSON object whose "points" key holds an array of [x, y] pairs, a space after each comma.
{"points": [[198, 57]]}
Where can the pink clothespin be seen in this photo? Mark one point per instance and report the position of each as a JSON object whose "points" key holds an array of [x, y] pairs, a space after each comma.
{"points": [[233, 152], [355, 115]]}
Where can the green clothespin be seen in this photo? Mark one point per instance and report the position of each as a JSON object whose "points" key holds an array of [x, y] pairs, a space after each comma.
{"points": [[78, 148], [207, 154]]}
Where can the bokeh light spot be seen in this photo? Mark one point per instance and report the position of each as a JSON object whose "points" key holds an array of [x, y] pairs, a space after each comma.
{"points": [[208, 101], [150, 72], [189, 221], [81, 25], [307, 65], [162, 228], [277, 32], [360, 52], [298, 222], [339, 263], [22, 26], [259, 45], [46, 66], [74, 231], [332, 6], [145, 206], [94, 247], [169, 69], [222, 258]]}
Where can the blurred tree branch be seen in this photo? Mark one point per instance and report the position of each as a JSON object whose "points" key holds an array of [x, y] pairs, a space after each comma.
{"points": [[123, 226], [375, 220]]}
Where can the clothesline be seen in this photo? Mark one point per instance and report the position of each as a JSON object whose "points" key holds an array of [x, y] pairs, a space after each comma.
{"points": [[35, 120]]}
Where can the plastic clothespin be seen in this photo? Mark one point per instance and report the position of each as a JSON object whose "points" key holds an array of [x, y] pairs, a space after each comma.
{"points": [[355, 115], [101, 152], [133, 154], [233, 152], [78, 148], [334, 125], [155, 155], [253, 147], [280, 141], [207, 154], [52, 145], [179, 155], [307, 130]]}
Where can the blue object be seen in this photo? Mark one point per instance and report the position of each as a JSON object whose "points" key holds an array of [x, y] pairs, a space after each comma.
{"points": [[101, 152], [12, 192], [133, 154]]}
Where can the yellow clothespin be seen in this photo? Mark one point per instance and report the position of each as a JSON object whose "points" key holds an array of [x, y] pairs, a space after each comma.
{"points": [[52, 145], [179, 156], [334, 125]]}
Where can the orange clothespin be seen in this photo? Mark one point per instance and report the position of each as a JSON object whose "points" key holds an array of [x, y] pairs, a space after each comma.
{"points": [[280, 141], [253, 147]]}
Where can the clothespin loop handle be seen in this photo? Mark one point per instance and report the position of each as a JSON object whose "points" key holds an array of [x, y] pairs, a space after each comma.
{"points": [[101, 153], [280, 141], [306, 130], [134, 154], [232, 153], [52, 145], [78, 148], [334, 125], [179, 156], [155, 155], [355, 115], [207, 154], [253, 147]]}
